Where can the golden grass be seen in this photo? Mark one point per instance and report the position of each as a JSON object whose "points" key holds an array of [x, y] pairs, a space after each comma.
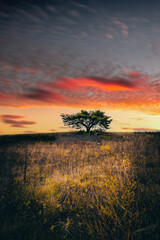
{"points": [[91, 190]]}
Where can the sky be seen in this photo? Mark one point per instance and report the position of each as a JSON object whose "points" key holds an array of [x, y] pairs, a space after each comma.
{"points": [[66, 55]]}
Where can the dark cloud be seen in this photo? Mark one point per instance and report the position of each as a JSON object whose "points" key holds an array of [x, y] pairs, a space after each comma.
{"points": [[43, 95], [17, 125], [17, 122], [7, 116], [9, 119]]}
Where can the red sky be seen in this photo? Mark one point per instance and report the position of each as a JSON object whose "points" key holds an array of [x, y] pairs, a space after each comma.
{"points": [[64, 56]]}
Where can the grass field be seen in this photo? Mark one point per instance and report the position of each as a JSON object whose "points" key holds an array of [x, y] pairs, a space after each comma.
{"points": [[77, 187]]}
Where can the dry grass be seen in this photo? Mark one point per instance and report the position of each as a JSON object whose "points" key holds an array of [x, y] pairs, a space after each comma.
{"points": [[84, 189]]}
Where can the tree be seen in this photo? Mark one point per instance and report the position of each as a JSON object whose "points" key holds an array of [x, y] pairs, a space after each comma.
{"points": [[88, 120]]}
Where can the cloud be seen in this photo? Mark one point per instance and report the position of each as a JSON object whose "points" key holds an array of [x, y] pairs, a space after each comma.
{"points": [[52, 130], [40, 12], [129, 90], [74, 13], [29, 15], [43, 95], [124, 124], [3, 96], [16, 125], [150, 115], [7, 116], [137, 76], [126, 128], [141, 129], [125, 32], [71, 129], [19, 69], [101, 83], [109, 36], [4, 82], [145, 129], [123, 26], [51, 8], [65, 127], [137, 118], [9, 119], [27, 70], [30, 132], [80, 5]]}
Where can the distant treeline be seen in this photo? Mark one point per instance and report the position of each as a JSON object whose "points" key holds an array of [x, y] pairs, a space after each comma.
{"points": [[19, 138]]}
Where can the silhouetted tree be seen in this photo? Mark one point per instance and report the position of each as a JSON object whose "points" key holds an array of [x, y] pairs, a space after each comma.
{"points": [[88, 120]]}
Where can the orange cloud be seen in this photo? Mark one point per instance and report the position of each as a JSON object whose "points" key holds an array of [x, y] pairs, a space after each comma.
{"points": [[136, 118], [124, 124], [130, 91], [104, 84], [30, 132]]}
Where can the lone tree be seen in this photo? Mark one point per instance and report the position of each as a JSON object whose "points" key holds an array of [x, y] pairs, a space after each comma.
{"points": [[88, 120]]}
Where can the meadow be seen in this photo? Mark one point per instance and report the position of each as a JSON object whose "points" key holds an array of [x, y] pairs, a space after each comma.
{"points": [[80, 187]]}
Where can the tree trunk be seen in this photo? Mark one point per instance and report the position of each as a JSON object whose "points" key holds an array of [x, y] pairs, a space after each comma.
{"points": [[88, 130]]}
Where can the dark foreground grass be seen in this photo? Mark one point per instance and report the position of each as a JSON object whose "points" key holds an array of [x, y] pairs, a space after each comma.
{"points": [[23, 138], [77, 189]]}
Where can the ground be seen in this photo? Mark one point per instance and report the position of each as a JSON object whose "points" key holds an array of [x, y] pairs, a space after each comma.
{"points": [[71, 186]]}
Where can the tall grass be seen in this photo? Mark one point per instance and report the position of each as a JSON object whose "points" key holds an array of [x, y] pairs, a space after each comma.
{"points": [[82, 189]]}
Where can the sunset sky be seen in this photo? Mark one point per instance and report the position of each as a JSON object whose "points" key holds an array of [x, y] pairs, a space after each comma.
{"points": [[63, 56]]}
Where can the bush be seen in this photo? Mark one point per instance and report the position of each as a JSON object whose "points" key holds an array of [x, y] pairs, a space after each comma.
{"points": [[81, 132]]}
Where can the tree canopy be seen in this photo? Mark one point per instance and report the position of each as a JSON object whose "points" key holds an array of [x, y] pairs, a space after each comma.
{"points": [[87, 120]]}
